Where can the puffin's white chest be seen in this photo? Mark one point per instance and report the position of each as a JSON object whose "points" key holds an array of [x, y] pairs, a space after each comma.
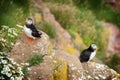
{"points": [[28, 32], [92, 55]]}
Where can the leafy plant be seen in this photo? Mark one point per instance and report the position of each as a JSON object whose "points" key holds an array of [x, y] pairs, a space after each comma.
{"points": [[8, 37], [9, 70], [35, 60]]}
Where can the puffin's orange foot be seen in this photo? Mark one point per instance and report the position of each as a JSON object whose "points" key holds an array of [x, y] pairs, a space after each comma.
{"points": [[29, 40]]}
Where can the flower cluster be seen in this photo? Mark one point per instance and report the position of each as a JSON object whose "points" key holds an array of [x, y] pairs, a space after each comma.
{"points": [[9, 70], [8, 37]]}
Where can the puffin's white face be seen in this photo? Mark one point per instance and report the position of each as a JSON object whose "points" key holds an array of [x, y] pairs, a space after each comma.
{"points": [[94, 46], [29, 21]]}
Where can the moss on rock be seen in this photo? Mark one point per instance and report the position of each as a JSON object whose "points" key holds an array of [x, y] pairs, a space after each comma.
{"points": [[60, 69]]}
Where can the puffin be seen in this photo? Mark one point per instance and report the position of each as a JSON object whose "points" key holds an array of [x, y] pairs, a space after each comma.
{"points": [[88, 54], [31, 32], [30, 29]]}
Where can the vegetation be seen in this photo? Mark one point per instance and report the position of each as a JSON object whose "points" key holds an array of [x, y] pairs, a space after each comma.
{"points": [[60, 69], [35, 60], [11, 9], [114, 63], [82, 20], [101, 10], [8, 37], [13, 12], [9, 70], [49, 29]]}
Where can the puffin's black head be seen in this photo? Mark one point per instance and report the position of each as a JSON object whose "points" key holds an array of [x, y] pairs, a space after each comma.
{"points": [[93, 47], [29, 21]]}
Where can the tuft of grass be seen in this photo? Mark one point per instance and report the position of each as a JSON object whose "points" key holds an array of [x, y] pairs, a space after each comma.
{"points": [[25, 70], [35, 60], [49, 29]]}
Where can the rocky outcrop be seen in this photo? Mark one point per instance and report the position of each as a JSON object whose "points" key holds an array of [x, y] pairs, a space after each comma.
{"points": [[22, 52], [58, 64], [85, 71]]}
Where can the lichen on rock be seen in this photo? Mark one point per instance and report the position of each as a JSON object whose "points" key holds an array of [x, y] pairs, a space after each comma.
{"points": [[59, 69]]}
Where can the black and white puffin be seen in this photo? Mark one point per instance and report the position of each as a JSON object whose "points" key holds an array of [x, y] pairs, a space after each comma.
{"points": [[88, 54], [30, 30]]}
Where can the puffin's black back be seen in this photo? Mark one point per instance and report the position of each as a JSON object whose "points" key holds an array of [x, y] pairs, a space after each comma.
{"points": [[85, 54], [35, 32]]}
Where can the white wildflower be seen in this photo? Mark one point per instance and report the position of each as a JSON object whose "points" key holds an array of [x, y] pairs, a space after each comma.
{"points": [[11, 69], [5, 27], [9, 30], [19, 26], [2, 40], [8, 74], [12, 78], [14, 33], [6, 68], [12, 43], [3, 72], [18, 78], [3, 61], [19, 69]]}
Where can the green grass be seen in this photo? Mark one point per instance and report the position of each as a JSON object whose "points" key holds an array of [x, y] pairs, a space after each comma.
{"points": [[49, 29], [35, 60], [25, 70], [62, 14], [101, 10], [13, 12]]}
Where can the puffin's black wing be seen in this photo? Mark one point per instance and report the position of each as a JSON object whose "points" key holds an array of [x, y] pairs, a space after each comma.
{"points": [[35, 32], [84, 56]]}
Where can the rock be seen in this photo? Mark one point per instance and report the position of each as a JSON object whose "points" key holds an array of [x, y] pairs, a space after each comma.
{"points": [[42, 71], [58, 64], [22, 51], [59, 69], [86, 71]]}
